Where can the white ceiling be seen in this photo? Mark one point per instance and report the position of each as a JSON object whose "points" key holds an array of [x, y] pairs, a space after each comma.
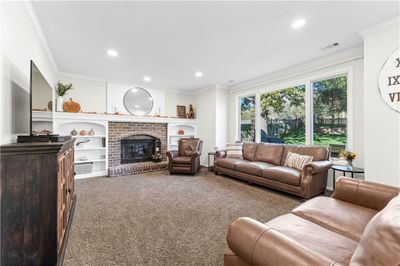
{"points": [[170, 41]]}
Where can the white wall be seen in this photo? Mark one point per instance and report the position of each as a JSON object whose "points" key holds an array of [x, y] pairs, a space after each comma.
{"points": [[20, 43], [211, 113], [382, 124], [350, 59], [91, 93]]}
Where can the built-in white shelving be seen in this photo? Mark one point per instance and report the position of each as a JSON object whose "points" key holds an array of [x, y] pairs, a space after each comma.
{"points": [[91, 156]]}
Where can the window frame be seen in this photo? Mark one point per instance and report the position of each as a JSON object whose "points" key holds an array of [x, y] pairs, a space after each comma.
{"points": [[308, 82]]}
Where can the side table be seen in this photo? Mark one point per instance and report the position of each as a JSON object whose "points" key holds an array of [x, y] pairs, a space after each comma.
{"points": [[211, 167], [345, 169]]}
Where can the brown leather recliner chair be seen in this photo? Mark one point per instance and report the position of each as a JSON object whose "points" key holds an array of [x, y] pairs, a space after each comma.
{"points": [[186, 160]]}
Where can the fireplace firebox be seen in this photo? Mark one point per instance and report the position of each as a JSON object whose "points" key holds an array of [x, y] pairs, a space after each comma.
{"points": [[139, 148]]}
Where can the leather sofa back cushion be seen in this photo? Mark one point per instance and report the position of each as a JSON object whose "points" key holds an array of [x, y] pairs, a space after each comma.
{"points": [[380, 243], [249, 150], [188, 146], [318, 153], [269, 153]]}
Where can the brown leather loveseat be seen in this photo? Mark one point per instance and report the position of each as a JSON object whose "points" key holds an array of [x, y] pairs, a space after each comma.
{"points": [[358, 225], [263, 163]]}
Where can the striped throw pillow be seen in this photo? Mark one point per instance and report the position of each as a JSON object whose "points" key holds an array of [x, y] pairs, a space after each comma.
{"points": [[234, 150], [297, 161]]}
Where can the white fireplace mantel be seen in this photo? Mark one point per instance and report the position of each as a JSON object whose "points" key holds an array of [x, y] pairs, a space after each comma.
{"points": [[121, 118]]}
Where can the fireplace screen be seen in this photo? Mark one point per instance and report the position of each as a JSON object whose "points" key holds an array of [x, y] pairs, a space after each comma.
{"points": [[139, 148]]}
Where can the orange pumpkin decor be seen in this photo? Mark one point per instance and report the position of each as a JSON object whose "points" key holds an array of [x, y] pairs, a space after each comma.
{"points": [[71, 106]]}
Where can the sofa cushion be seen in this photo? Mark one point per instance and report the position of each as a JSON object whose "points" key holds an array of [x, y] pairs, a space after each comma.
{"points": [[317, 152], [342, 217], [269, 153], [253, 168], [182, 160], [229, 163], [380, 244], [234, 150], [283, 174], [315, 237], [249, 150]]}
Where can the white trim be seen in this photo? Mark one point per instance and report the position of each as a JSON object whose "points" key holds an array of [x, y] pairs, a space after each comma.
{"points": [[255, 87], [33, 19], [257, 119], [380, 26]]}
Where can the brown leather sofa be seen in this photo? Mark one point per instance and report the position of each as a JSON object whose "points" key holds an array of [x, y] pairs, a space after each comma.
{"points": [[358, 225], [185, 160], [263, 163]]}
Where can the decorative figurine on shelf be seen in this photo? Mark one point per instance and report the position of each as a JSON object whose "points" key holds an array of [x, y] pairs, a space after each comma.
{"points": [[83, 132], [61, 90], [71, 106], [74, 132], [91, 132], [181, 132], [190, 115]]}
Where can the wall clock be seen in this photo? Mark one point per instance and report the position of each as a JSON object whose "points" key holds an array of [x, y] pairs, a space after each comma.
{"points": [[389, 81]]}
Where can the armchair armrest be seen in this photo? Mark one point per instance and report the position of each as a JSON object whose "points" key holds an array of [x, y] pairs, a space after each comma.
{"points": [[317, 167], [364, 193], [172, 154], [220, 154], [258, 244]]}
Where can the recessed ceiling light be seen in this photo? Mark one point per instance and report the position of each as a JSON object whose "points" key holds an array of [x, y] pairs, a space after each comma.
{"points": [[147, 78], [198, 74], [298, 23], [112, 53]]}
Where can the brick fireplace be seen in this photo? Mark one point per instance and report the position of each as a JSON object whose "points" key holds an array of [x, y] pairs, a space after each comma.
{"points": [[121, 132]]}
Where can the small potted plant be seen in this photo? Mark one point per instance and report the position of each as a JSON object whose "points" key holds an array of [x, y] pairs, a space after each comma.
{"points": [[61, 90], [349, 156]]}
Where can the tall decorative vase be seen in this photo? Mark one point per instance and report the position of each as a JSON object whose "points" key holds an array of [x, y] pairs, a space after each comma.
{"points": [[60, 104]]}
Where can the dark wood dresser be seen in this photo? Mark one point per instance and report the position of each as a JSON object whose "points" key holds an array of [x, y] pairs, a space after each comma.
{"points": [[37, 202]]}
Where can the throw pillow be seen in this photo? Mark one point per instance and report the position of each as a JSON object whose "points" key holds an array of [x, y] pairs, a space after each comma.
{"points": [[234, 150], [297, 161]]}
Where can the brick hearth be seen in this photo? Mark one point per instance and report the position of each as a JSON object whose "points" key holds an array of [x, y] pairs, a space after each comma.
{"points": [[119, 130]]}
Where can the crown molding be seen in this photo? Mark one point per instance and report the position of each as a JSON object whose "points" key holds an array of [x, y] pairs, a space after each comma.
{"points": [[33, 19], [380, 26], [342, 57], [120, 82]]}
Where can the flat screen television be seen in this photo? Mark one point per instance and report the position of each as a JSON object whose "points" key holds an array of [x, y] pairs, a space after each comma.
{"points": [[41, 103]]}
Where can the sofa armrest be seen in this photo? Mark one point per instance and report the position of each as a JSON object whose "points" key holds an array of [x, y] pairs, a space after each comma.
{"points": [[316, 167], [364, 193], [314, 178], [195, 154], [220, 154], [258, 244], [172, 154]]}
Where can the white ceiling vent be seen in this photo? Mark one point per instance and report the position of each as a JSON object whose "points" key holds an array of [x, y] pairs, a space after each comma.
{"points": [[330, 46]]}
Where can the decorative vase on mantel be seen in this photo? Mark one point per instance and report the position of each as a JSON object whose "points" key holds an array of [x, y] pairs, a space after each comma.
{"points": [[60, 104]]}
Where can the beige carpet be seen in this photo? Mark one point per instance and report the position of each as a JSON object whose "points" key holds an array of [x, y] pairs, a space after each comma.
{"points": [[158, 219]]}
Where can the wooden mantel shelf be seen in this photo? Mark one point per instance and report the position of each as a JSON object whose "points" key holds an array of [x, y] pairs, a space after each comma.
{"points": [[122, 118]]}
